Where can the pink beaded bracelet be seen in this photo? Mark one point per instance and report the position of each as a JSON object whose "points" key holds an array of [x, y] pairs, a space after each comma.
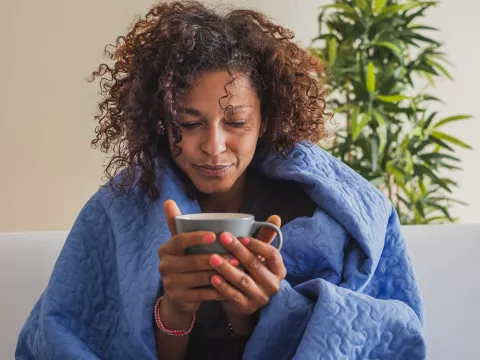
{"points": [[163, 328]]}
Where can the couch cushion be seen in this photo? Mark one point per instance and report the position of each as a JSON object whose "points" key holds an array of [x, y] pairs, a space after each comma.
{"points": [[447, 262], [26, 262]]}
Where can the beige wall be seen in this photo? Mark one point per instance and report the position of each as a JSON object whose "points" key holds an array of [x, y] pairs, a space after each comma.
{"points": [[48, 47]]}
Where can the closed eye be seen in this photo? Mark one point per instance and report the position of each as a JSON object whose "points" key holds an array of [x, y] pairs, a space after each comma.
{"points": [[189, 126], [236, 124]]}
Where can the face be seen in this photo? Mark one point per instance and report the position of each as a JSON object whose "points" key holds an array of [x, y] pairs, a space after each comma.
{"points": [[219, 132]]}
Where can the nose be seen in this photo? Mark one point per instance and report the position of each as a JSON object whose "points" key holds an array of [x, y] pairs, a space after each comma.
{"points": [[213, 143]]}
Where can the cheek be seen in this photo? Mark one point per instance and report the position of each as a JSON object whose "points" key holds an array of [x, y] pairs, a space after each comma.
{"points": [[245, 145]]}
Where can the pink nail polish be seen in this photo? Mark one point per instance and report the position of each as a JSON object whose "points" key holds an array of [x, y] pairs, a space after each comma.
{"points": [[209, 238], [216, 280], [226, 239], [234, 262], [245, 241], [216, 260]]}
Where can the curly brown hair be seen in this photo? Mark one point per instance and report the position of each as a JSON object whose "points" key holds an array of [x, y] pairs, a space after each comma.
{"points": [[158, 61]]}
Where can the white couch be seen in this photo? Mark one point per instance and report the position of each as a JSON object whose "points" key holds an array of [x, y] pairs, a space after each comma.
{"points": [[446, 259]]}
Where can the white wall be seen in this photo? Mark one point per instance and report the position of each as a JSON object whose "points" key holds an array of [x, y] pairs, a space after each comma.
{"points": [[46, 107], [459, 24]]}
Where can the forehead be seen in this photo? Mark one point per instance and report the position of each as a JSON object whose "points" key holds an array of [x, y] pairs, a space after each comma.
{"points": [[221, 88]]}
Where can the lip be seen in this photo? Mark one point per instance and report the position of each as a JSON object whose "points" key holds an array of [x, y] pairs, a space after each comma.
{"points": [[212, 170]]}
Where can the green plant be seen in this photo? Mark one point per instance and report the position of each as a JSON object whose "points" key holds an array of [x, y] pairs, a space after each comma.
{"points": [[377, 57]]}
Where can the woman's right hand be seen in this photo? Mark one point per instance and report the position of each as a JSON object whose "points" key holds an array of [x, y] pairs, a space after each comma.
{"points": [[186, 278]]}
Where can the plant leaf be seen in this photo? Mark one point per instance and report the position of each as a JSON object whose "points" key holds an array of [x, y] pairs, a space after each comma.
{"points": [[451, 119], [448, 166], [371, 78], [429, 120], [404, 201], [443, 59], [392, 98], [392, 9], [345, 108], [362, 4], [378, 6], [451, 182], [423, 170], [451, 139], [429, 78], [381, 131], [332, 51], [441, 68], [422, 187], [445, 198], [419, 207], [389, 45], [348, 9], [443, 209], [379, 118], [427, 68], [421, 27], [354, 119], [420, 12], [433, 156], [419, 37], [431, 98], [361, 124], [440, 143], [435, 218]]}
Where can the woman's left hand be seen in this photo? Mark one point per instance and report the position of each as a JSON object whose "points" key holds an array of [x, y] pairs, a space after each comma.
{"points": [[246, 292]]}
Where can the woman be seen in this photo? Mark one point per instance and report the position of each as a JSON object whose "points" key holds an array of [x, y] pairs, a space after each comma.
{"points": [[218, 113]]}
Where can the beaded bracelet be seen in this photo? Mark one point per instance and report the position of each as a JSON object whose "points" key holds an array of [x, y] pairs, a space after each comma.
{"points": [[163, 328]]}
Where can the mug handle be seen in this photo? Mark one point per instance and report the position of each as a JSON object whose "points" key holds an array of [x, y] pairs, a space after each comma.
{"points": [[259, 224]]}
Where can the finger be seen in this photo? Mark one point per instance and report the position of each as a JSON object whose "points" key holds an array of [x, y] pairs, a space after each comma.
{"points": [[269, 253], [178, 243], [187, 280], [245, 256], [266, 234], [257, 270], [177, 264], [237, 297], [241, 280], [171, 210]]}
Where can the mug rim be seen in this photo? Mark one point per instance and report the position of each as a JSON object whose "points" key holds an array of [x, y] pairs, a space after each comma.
{"points": [[215, 217]]}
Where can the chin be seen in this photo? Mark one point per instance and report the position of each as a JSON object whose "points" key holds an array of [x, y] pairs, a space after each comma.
{"points": [[213, 186]]}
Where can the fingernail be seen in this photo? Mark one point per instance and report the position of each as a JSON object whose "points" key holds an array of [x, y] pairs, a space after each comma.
{"points": [[245, 241], [216, 260], [226, 239], [216, 280], [209, 238], [234, 262]]}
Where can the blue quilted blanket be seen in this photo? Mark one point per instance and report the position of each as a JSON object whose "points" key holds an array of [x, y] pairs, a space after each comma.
{"points": [[350, 292]]}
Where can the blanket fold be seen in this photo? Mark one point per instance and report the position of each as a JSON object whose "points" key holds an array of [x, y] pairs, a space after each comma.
{"points": [[350, 292]]}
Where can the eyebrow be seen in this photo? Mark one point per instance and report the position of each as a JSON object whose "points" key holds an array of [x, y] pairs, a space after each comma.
{"points": [[195, 112]]}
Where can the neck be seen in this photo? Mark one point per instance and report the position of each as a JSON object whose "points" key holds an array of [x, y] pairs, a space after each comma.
{"points": [[228, 202]]}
